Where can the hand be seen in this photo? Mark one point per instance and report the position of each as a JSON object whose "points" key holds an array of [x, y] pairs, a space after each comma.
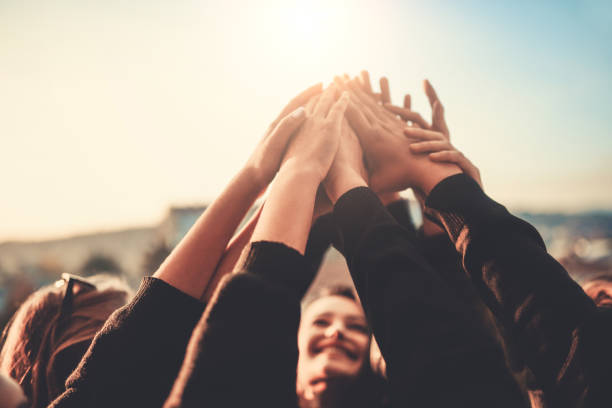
{"points": [[441, 150], [266, 159], [437, 143], [391, 163], [347, 170], [313, 148]]}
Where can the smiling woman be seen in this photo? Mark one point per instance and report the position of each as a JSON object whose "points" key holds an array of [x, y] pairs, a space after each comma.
{"points": [[333, 343]]}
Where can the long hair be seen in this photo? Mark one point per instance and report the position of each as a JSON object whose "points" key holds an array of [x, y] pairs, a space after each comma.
{"points": [[39, 351], [368, 389]]}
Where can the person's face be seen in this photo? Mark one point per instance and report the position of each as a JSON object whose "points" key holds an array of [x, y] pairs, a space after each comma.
{"points": [[333, 342]]}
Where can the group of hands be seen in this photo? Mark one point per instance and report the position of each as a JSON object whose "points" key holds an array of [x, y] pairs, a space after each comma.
{"points": [[348, 135]]}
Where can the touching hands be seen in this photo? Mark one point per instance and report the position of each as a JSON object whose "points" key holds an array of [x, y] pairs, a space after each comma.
{"points": [[391, 164], [267, 156], [347, 170], [435, 138], [313, 148]]}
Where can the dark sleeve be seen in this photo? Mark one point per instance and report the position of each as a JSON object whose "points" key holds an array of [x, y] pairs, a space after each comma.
{"points": [[136, 356], [322, 234], [244, 349], [434, 350], [564, 339], [400, 210]]}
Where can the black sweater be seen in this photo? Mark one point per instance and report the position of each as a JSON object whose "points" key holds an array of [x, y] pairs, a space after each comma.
{"points": [[134, 359], [244, 350], [564, 338], [438, 354]]}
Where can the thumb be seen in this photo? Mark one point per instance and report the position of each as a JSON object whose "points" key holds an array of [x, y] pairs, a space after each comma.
{"points": [[288, 125]]}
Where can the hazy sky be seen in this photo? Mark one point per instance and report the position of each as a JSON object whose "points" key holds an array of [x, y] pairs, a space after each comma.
{"points": [[111, 111]]}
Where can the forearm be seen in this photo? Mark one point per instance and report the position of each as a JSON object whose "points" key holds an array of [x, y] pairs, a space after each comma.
{"points": [[191, 265], [287, 215], [530, 293], [232, 254], [408, 304]]}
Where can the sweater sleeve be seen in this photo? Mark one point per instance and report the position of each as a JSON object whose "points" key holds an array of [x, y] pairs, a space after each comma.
{"points": [[135, 357], [434, 350], [244, 349], [562, 336], [322, 234]]}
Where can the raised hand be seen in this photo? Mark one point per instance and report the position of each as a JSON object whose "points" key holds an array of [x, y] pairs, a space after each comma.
{"points": [[385, 98], [391, 164], [347, 170], [306, 163], [267, 156], [315, 145], [441, 150]]}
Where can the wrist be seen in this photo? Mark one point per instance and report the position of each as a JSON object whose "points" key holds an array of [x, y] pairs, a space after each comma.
{"points": [[388, 198], [431, 178], [310, 175], [304, 170], [340, 182], [257, 179]]}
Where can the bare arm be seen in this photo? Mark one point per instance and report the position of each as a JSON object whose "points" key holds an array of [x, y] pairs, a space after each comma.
{"points": [[192, 264]]}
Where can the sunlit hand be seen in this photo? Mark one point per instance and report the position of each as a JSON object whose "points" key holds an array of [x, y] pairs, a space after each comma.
{"points": [[435, 139], [266, 158], [313, 148], [385, 98], [392, 165], [347, 170], [441, 150]]}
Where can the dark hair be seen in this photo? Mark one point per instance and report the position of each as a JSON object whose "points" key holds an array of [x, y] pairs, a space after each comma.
{"points": [[40, 348], [333, 290]]}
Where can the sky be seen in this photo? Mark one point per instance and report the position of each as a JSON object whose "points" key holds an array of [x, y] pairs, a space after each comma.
{"points": [[112, 111]]}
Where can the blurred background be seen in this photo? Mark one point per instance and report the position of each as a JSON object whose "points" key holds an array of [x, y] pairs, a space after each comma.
{"points": [[120, 121]]}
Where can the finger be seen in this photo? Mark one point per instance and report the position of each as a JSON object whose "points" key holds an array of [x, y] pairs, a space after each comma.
{"points": [[311, 104], [355, 88], [336, 113], [408, 115], [430, 92], [384, 90], [341, 83], [407, 101], [437, 119], [458, 158], [365, 110], [356, 119], [423, 134], [288, 125], [365, 82], [372, 109], [326, 101], [300, 100], [430, 146]]}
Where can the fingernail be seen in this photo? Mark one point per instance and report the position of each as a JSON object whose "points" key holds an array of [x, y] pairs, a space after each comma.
{"points": [[298, 112]]}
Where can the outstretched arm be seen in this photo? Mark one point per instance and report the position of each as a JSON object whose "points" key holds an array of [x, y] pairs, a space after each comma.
{"points": [[191, 265], [562, 336], [436, 353], [152, 331], [244, 351]]}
